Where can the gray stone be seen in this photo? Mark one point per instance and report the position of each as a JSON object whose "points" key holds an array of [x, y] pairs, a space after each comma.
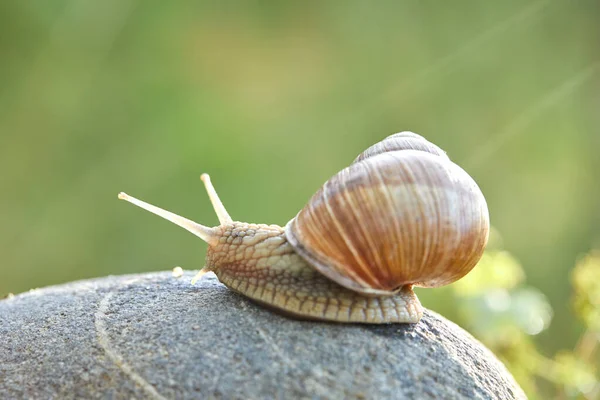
{"points": [[156, 336]]}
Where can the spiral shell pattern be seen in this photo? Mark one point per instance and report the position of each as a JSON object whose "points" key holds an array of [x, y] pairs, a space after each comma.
{"points": [[401, 214]]}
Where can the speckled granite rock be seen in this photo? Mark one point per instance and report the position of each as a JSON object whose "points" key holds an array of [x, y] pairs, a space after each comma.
{"points": [[156, 336]]}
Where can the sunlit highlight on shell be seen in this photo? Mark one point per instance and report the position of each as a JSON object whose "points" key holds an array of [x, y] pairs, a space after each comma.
{"points": [[396, 218]]}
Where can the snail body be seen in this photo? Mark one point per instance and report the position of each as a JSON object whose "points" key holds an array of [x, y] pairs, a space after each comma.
{"points": [[401, 215]]}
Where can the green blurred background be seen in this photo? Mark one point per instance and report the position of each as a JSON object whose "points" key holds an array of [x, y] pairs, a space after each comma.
{"points": [[272, 98]]}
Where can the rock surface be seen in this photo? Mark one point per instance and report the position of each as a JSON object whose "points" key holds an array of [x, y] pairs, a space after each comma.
{"points": [[156, 336]]}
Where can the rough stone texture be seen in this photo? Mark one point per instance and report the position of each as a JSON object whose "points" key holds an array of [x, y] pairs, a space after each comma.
{"points": [[156, 336]]}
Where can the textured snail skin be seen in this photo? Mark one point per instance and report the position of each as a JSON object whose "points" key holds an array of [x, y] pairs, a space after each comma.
{"points": [[257, 261]]}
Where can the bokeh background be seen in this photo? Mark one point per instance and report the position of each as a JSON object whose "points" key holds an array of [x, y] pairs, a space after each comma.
{"points": [[272, 98]]}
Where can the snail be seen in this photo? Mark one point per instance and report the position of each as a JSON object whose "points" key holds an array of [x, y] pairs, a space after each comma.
{"points": [[401, 215]]}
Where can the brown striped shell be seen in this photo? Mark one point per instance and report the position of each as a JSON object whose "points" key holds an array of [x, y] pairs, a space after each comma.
{"points": [[401, 214], [401, 141]]}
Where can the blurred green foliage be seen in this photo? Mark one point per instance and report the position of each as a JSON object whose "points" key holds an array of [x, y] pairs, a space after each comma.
{"points": [[586, 281], [272, 98], [496, 305]]}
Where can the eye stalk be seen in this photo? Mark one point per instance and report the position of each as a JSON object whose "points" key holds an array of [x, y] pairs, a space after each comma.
{"points": [[222, 213], [209, 235]]}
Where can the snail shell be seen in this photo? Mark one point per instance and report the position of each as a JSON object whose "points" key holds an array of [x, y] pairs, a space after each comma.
{"points": [[401, 141], [401, 214]]}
